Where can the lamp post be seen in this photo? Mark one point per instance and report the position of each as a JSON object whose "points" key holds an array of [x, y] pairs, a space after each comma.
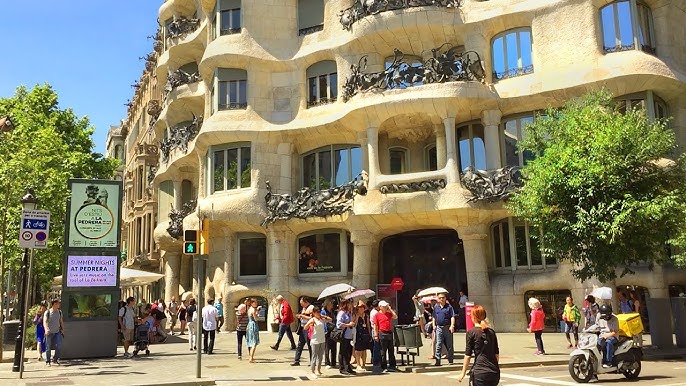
{"points": [[6, 125], [28, 202]]}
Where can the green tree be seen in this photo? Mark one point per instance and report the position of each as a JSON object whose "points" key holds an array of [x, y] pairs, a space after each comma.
{"points": [[47, 146], [603, 188]]}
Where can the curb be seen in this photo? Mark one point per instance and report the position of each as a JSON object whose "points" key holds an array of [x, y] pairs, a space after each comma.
{"points": [[199, 382]]}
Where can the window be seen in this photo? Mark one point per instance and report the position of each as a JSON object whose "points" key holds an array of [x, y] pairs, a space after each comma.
{"points": [[252, 255], [512, 131], [322, 83], [230, 167], [470, 142], [430, 158], [512, 54], [626, 25], [232, 88], [229, 14], [516, 244], [119, 152], [653, 105], [410, 76], [166, 38], [331, 166], [140, 179], [310, 16], [324, 252], [398, 160], [186, 192]]}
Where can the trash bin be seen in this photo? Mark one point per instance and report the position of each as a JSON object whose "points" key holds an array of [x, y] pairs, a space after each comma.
{"points": [[10, 329], [411, 335], [468, 315], [398, 336]]}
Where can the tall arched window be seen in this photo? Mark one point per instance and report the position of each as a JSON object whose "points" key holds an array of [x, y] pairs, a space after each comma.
{"points": [[627, 25], [512, 53], [322, 83], [330, 166], [470, 142], [512, 131]]}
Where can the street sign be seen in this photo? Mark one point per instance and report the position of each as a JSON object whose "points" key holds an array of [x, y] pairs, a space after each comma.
{"points": [[397, 283], [35, 228]]}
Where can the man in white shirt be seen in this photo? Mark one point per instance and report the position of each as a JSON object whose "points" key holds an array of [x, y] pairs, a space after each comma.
{"points": [[461, 315], [209, 326]]}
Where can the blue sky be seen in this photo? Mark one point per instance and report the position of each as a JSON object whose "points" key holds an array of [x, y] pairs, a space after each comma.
{"points": [[87, 50]]}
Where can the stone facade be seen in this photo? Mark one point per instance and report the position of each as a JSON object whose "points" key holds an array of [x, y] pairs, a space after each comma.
{"points": [[270, 77]]}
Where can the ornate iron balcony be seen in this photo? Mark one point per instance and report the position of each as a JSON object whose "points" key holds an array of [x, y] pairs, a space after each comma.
{"points": [[182, 27], [310, 30], [230, 31], [492, 185], [233, 106], [513, 72], [320, 101], [178, 78], [362, 8], [179, 138]]}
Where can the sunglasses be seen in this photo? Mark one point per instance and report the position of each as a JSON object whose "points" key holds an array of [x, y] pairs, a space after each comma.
{"points": [[441, 297]]}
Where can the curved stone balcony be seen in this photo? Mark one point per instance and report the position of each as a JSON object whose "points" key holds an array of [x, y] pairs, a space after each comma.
{"points": [[184, 49]]}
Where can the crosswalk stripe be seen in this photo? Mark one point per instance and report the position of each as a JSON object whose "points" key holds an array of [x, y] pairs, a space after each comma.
{"points": [[437, 373], [539, 380]]}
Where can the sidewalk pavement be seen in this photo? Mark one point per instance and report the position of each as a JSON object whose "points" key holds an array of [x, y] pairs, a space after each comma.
{"points": [[173, 363]]}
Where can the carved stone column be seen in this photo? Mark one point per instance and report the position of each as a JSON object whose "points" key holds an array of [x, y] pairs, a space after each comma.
{"points": [[202, 168], [282, 262], [172, 271], [228, 277], [178, 194], [451, 151], [441, 149], [285, 152], [478, 282], [365, 260], [373, 155], [362, 140], [491, 121]]}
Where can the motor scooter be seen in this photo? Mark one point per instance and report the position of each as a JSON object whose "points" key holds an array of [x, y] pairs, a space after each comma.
{"points": [[586, 360]]}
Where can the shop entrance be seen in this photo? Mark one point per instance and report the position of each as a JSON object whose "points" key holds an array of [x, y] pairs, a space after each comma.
{"points": [[426, 258]]}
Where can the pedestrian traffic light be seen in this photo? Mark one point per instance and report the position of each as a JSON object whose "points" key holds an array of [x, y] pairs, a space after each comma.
{"points": [[190, 242]]}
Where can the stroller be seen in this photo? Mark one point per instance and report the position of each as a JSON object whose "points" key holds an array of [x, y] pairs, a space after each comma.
{"points": [[141, 339]]}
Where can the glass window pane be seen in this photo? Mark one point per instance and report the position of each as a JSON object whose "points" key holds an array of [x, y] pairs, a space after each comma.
{"points": [[253, 257], [242, 92], [333, 83], [511, 136], [232, 169], [320, 253], [323, 87], [233, 91], [223, 95], [536, 258], [506, 243], [355, 161], [218, 176], [520, 246], [495, 237], [464, 148], [498, 53], [324, 167], [312, 87], [245, 167], [525, 46], [478, 147], [340, 162], [310, 171], [225, 25], [625, 30], [512, 54], [397, 161], [432, 158], [236, 18], [644, 20], [607, 17]]}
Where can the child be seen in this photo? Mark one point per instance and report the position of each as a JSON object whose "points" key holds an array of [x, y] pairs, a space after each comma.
{"points": [[317, 340], [537, 323], [571, 315]]}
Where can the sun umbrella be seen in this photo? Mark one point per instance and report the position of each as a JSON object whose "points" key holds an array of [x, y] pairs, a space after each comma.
{"points": [[604, 293], [363, 293], [336, 289], [429, 299], [432, 291]]}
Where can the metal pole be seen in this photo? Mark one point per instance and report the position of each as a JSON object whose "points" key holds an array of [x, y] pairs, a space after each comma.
{"points": [[2, 268], [25, 303], [19, 343], [198, 331]]}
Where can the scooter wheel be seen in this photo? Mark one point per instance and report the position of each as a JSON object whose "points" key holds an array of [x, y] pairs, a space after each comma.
{"points": [[633, 370], [580, 369]]}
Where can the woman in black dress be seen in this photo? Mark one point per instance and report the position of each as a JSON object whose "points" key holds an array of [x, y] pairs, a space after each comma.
{"points": [[482, 344], [182, 317], [363, 336]]}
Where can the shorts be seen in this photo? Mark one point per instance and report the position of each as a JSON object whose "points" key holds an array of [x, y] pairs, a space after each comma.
{"points": [[128, 334], [570, 328]]}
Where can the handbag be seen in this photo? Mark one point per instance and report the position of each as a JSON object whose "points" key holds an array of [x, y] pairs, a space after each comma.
{"points": [[337, 334]]}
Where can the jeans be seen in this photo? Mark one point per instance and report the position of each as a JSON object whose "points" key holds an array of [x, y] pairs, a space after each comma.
{"points": [[49, 339], [444, 336], [239, 336], [376, 354], [316, 357], [609, 351], [302, 340], [285, 329], [330, 351], [344, 354], [205, 334], [538, 335], [387, 354]]}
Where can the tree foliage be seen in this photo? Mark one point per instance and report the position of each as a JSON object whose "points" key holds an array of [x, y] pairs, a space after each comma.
{"points": [[603, 188], [47, 146]]}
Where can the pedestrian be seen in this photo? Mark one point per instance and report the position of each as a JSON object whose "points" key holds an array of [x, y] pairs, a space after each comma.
{"points": [[418, 313], [571, 315], [609, 331], [126, 323], [141, 307], [304, 315], [182, 317], [40, 330], [625, 306], [591, 311], [317, 338], [220, 313], [383, 333], [363, 336], [53, 323], [160, 321], [344, 320], [641, 310], [537, 324], [330, 346], [444, 327], [461, 312], [376, 344], [284, 316], [209, 326], [173, 312], [252, 331], [482, 345], [241, 327], [191, 312]]}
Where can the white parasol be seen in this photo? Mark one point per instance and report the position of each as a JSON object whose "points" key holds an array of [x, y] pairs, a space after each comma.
{"points": [[363, 293], [336, 289], [604, 293], [429, 299], [432, 291]]}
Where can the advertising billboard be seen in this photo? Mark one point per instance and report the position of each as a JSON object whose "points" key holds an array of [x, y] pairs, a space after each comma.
{"points": [[94, 214], [91, 271]]}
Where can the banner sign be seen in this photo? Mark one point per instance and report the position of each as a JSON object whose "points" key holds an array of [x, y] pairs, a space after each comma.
{"points": [[94, 214], [35, 228], [91, 271]]}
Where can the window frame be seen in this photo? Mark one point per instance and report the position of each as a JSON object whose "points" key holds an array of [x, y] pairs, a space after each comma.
{"points": [[314, 73], [427, 157], [648, 100], [406, 159], [512, 246], [520, 70], [520, 135], [472, 154], [332, 148], [237, 256], [238, 146], [216, 95], [637, 28], [309, 29], [343, 250]]}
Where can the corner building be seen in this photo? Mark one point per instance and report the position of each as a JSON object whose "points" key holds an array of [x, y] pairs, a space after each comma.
{"points": [[269, 106]]}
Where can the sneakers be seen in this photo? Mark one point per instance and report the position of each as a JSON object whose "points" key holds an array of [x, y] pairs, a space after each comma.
{"points": [[606, 365], [539, 353], [48, 364], [240, 357], [273, 348], [295, 364], [328, 367], [127, 355]]}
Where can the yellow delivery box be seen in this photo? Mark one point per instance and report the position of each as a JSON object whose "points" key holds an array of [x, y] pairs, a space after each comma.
{"points": [[630, 324]]}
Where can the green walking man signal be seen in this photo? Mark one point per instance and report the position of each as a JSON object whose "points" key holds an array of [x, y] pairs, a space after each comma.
{"points": [[190, 241]]}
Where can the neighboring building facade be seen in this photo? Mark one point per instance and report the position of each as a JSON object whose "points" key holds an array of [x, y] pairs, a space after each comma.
{"points": [[269, 106]]}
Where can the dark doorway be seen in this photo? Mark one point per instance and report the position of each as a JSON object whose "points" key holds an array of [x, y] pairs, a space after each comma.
{"points": [[427, 258]]}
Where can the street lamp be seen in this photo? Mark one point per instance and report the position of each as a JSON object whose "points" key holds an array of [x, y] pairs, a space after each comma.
{"points": [[28, 202]]}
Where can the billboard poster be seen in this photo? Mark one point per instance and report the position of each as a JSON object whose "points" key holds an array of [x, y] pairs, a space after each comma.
{"points": [[94, 214], [91, 271], [387, 293]]}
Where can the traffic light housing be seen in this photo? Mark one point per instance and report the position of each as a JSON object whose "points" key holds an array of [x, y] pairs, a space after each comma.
{"points": [[190, 242]]}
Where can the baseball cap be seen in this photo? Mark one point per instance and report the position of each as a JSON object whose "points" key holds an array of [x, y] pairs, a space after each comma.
{"points": [[375, 303], [383, 303]]}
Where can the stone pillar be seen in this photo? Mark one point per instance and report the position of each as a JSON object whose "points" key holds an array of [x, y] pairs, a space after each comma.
{"points": [[178, 194], [185, 278], [172, 271], [202, 168], [658, 287], [478, 281], [451, 151], [491, 122], [285, 153], [282, 265], [373, 155], [365, 261], [362, 140], [228, 277], [441, 149]]}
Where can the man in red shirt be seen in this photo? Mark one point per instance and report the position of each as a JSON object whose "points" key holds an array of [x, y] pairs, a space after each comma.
{"points": [[383, 333], [285, 317]]}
